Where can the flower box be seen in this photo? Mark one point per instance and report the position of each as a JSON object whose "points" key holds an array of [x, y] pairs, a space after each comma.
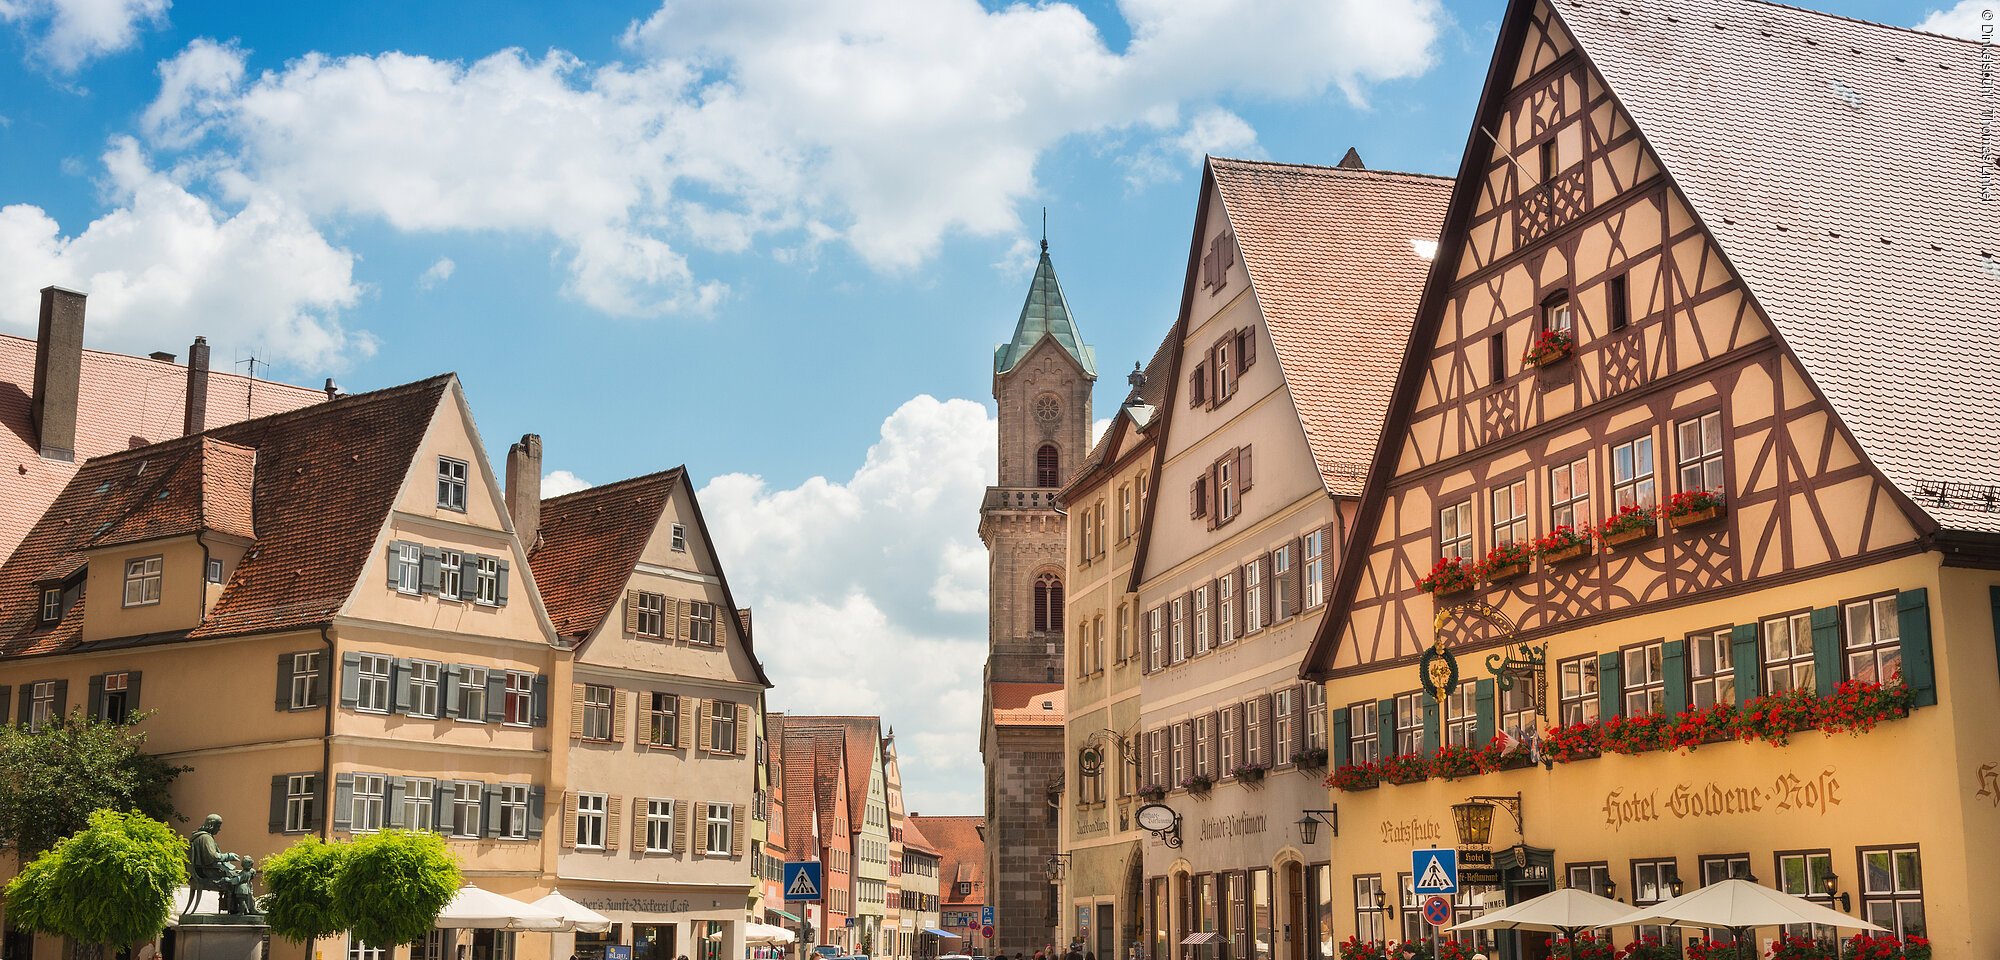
{"points": [[1198, 785], [1404, 768], [1695, 518], [1506, 571], [1250, 774], [1628, 536], [1355, 776], [1548, 349], [1448, 576], [1312, 759], [1566, 554], [1153, 792]]}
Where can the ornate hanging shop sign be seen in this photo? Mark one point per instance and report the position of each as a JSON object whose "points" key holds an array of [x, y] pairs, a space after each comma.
{"points": [[1437, 669]]}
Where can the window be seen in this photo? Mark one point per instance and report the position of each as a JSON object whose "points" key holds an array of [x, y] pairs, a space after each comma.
{"points": [[1201, 635], [720, 821], [434, 946], [1874, 639], [1177, 761], [1204, 747], [1125, 511], [1284, 723], [680, 537], [370, 792], [357, 950], [305, 680], [514, 811], [1803, 873], [1315, 575], [1645, 680], [472, 694], [1154, 636], [1144, 488], [722, 726], [1632, 473], [1315, 713], [1517, 711], [1892, 890], [465, 810], [212, 571], [1097, 642], [1699, 449], [1047, 466], [372, 693], [1556, 316], [1788, 653], [1364, 743], [1414, 928], [590, 821], [1409, 723], [701, 622], [1455, 531], [1369, 919], [424, 688], [142, 582], [451, 484], [451, 574], [1225, 608], [409, 568], [1617, 297], [301, 802], [1569, 495], [1225, 368], [651, 610], [1048, 603], [1711, 668], [115, 702], [660, 826], [1496, 355], [1256, 731], [1461, 716], [1652, 882], [1577, 689], [1283, 602], [1124, 633], [1546, 151], [663, 720], [1253, 596], [1590, 878], [1510, 513], [1177, 630], [597, 711], [419, 804], [520, 699], [486, 589], [1225, 489], [1229, 748], [52, 605]]}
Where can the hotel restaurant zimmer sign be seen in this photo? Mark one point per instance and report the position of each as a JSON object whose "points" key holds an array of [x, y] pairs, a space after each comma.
{"points": [[1787, 793]]}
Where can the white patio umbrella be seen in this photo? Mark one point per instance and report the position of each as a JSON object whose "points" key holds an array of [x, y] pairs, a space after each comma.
{"points": [[1740, 906], [766, 933], [475, 909], [1564, 911], [579, 916]]}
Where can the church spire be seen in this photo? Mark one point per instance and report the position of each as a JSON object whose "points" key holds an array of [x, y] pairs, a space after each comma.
{"points": [[1045, 314]]}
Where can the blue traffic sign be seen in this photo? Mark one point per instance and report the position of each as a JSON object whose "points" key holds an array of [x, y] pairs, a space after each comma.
{"points": [[986, 915], [801, 881], [1434, 870]]}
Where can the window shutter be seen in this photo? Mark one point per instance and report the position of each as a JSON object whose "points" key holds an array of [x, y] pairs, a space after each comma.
{"points": [[496, 696], [640, 825], [1433, 726], [701, 729], [1299, 709], [350, 679], [1673, 664], [278, 803], [1236, 604], [94, 699], [1385, 728], [1826, 649], [743, 731], [536, 815], [1243, 469], [27, 698], [1215, 637], [1198, 386], [1743, 654], [1268, 736], [490, 804], [399, 683], [468, 576], [1611, 686], [449, 678], [132, 700], [1267, 594], [614, 815], [284, 701], [538, 701], [500, 587], [683, 611], [1486, 717], [736, 830], [1341, 751], [1296, 579], [688, 708], [1197, 505], [632, 612], [576, 711], [619, 699], [429, 569], [395, 552], [343, 800], [694, 817], [1246, 348], [444, 806], [1913, 621], [393, 800]]}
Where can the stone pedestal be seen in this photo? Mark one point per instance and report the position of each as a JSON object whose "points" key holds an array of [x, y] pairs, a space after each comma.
{"points": [[220, 937]]}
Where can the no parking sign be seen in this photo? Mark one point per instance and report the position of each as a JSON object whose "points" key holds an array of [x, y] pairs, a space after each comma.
{"points": [[1437, 911]]}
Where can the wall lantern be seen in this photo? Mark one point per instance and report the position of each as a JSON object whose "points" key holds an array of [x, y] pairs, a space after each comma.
{"points": [[1057, 866], [1833, 894], [1474, 818], [1309, 821]]}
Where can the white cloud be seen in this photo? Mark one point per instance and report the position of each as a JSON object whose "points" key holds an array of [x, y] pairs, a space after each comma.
{"points": [[66, 34], [1213, 131], [1970, 19], [166, 265], [437, 273], [555, 483], [879, 580]]}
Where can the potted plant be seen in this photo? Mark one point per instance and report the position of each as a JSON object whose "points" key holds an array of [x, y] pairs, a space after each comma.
{"points": [[1633, 735], [1692, 508], [1355, 776], [1250, 772], [1863, 946], [1153, 791], [1561, 544], [1311, 758], [1710, 950], [1631, 523], [1448, 576], [1698, 725], [1551, 347], [1586, 946], [1507, 560], [1506, 753], [1198, 784]]}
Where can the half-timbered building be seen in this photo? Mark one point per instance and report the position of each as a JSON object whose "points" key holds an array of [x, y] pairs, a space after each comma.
{"points": [[1693, 442]]}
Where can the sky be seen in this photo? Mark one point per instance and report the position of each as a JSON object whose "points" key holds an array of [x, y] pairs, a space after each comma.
{"points": [[773, 240]]}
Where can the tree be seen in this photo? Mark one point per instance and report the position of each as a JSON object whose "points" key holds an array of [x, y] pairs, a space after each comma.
{"points": [[386, 888], [110, 883], [52, 780]]}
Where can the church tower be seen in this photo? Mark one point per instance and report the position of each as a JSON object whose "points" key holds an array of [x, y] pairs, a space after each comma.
{"points": [[1042, 380]]}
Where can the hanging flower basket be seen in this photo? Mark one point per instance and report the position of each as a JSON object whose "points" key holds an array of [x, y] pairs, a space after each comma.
{"points": [[1629, 525], [1694, 508], [1561, 545], [1448, 576], [1552, 347]]}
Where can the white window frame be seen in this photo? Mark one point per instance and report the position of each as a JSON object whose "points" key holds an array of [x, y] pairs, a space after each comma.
{"points": [[520, 707], [1315, 716], [1202, 642], [52, 604], [486, 586], [663, 721], [513, 811], [1282, 561], [1509, 516], [357, 950], [720, 823], [467, 809], [451, 574], [1314, 581], [652, 615], [597, 701], [142, 581], [472, 694], [1155, 638], [1634, 479], [1364, 738], [590, 820], [680, 538], [1872, 639], [409, 568], [1569, 495], [1225, 612], [1253, 598], [426, 688], [659, 826], [111, 706], [1455, 531], [1226, 504], [701, 622], [721, 722], [451, 483], [1699, 450], [1284, 723], [301, 801], [368, 809], [419, 804], [1177, 629], [374, 673], [212, 571]]}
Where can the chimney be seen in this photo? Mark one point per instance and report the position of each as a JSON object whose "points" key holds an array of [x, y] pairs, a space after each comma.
{"points": [[194, 418], [524, 488], [58, 372]]}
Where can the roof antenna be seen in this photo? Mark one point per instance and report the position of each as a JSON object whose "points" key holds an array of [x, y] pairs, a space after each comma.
{"points": [[1045, 229], [250, 388]]}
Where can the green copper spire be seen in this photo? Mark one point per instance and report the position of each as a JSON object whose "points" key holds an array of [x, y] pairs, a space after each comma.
{"points": [[1045, 314]]}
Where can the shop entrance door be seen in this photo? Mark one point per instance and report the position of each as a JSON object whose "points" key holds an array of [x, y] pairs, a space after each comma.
{"points": [[653, 941], [1296, 911], [1529, 945]]}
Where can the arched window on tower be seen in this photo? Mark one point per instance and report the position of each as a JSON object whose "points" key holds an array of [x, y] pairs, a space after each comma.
{"points": [[1046, 460], [1048, 603]]}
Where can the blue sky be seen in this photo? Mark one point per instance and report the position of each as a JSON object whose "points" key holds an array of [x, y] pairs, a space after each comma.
{"points": [[775, 241]]}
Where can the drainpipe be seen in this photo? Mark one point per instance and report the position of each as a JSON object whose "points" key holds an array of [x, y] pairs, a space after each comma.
{"points": [[326, 740], [201, 615]]}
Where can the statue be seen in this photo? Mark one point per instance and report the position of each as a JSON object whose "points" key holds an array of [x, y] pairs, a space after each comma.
{"points": [[229, 874]]}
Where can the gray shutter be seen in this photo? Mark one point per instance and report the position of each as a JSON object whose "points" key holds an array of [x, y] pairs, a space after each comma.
{"points": [[501, 586], [6, 701], [496, 696], [430, 570], [448, 679], [395, 551], [350, 679], [62, 698], [399, 685], [468, 576], [27, 698], [490, 806], [393, 799], [539, 708], [94, 701], [278, 803], [535, 813], [132, 691], [343, 800], [443, 807], [284, 700]]}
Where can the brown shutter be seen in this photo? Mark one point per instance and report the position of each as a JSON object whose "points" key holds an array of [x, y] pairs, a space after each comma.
{"points": [[1197, 382], [575, 713], [688, 707], [1196, 507], [1246, 348], [642, 719], [1187, 621], [631, 611], [722, 626], [1243, 469], [693, 824], [682, 611], [743, 730], [1267, 729], [700, 728], [1237, 600], [1297, 578], [1214, 610], [639, 824], [569, 820], [618, 714], [736, 830], [1298, 719], [614, 811]]}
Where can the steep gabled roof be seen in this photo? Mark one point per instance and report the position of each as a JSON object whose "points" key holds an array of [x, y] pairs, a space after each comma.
{"points": [[588, 544], [325, 478], [1130, 416], [1045, 315], [961, 854], [1833, 162], [861, 738]]}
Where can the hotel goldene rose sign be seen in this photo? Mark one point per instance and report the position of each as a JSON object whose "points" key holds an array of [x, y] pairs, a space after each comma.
{"points": [[1788, 793]]}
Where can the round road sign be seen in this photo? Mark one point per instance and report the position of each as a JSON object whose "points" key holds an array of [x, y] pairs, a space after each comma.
{"points": [[986, 932], [1437, 911]]}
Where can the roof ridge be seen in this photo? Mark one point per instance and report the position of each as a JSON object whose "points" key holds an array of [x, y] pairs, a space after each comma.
{"points": [[1817, 13], [136, 360], [1329, 168], [621, 484]]}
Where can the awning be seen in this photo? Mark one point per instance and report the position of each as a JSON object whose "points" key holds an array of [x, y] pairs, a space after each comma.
{"points": [[935, 932], [787, 916], [1197, 939]]}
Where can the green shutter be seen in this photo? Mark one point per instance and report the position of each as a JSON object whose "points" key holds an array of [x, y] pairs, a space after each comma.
{"points": [[1743, 652], [1432, 726], [1673, 663], [1487, 720], [1610, 686], [1343, 744], [1826, 649], [1385, 728], [1913, 618]]}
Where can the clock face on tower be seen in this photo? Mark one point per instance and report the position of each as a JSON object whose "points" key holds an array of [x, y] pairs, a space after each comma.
{"points": [[1048, 409]]}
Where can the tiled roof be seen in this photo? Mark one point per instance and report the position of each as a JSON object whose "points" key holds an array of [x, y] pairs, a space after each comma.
{"points": [[1152, 393], [961, 853], [124, 402], [1027, 704], [1045, 314], [1835, 163], [862, 737], [208, 490], [914, 839], [1332, 256], [589, 543], [325, 477]]}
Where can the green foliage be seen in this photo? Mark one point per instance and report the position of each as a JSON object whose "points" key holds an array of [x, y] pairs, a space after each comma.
{"points": [[111, 883], [394, 884], [301, 904], [53, 780]]}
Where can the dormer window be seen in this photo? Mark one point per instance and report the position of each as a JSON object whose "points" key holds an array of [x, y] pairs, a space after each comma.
{"points": [[52, 605], [680, 538], [142, 582], [451, 484], [213, 573]]}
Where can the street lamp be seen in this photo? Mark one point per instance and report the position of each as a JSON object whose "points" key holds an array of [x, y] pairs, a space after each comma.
{"points": [[1309, 821], [1474, 818]]}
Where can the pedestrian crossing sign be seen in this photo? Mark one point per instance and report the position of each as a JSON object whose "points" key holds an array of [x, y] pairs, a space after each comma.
{"points": [[1435, 870], [801, 881]]}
